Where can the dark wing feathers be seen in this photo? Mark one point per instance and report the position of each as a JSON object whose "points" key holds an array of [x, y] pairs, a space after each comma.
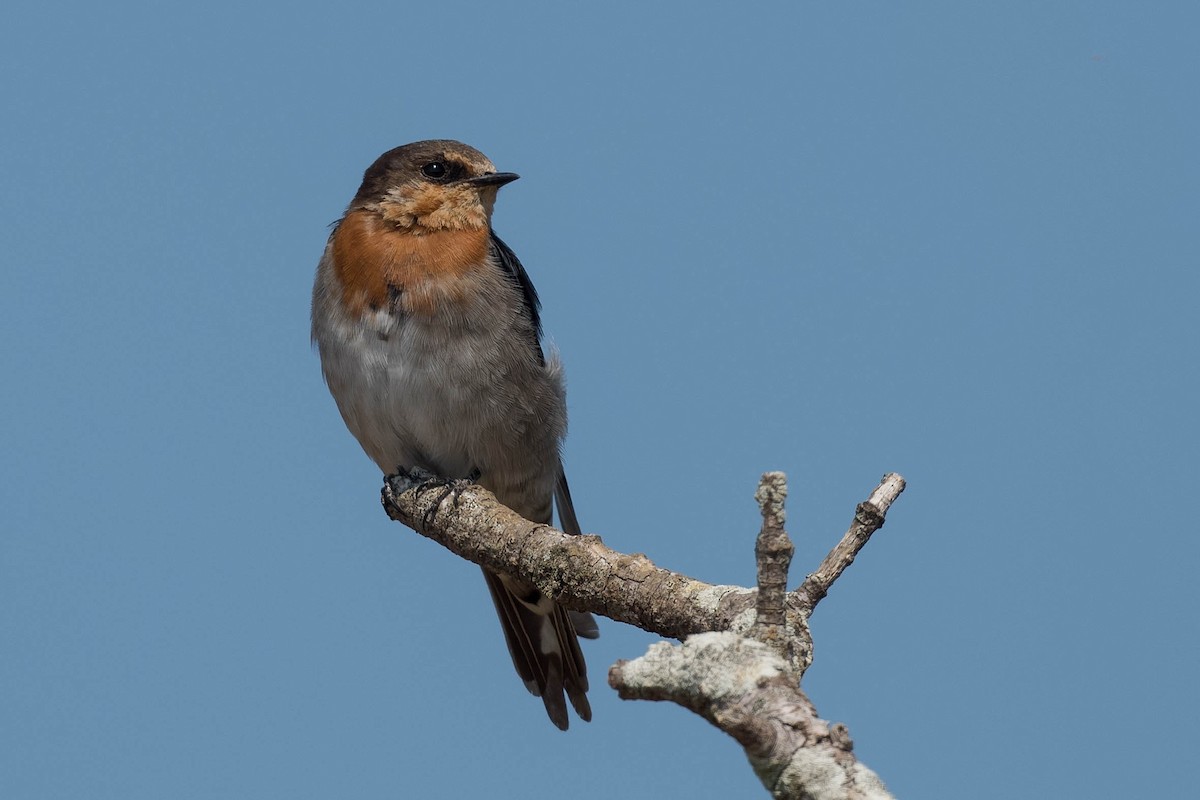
{"points": [[562, 671], [512, 265]]}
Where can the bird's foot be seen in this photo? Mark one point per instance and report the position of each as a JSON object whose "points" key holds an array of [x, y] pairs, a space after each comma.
{"points": [[446, 487]]}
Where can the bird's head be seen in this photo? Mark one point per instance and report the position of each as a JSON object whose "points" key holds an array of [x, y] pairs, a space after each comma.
{"points": [[430, 186]]}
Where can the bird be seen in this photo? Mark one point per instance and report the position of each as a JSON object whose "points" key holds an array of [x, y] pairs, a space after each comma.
{"points": [[429, 334]]}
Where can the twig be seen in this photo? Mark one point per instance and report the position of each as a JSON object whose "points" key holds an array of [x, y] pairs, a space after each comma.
{"points": [[868, 518], [773, 554]]}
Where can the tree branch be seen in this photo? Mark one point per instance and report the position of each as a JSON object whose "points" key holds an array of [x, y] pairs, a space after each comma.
{"points": [[745, 689], [868, 518], [773, 553], [745, 650], [579, 572]]}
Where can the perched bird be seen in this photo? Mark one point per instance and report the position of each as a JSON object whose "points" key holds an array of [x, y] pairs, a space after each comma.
{"points": [[430, 341]]}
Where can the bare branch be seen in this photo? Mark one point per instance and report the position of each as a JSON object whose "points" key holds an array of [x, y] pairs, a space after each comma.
{"points": [[579, 572], [780, 620], [749, 692], [745, 650], [773, 554], [868, 518]]}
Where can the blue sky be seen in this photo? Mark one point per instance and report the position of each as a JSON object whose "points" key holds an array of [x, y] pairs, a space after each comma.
{"points": [[954, 240]]}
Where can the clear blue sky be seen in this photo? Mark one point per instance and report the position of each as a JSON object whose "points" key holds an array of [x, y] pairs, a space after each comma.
{"points": [[954, 240]]}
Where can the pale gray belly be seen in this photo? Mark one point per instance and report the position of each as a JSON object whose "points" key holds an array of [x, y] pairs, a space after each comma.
{"points": [[452, 400]]}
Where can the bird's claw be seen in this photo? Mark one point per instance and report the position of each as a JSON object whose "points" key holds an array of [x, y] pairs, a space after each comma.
{"points": [[447, 487]]}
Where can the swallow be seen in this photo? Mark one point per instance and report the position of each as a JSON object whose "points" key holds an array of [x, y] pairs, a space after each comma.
{"points": [[429, 335]]}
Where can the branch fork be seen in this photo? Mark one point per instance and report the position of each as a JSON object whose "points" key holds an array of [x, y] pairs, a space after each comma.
{"points": [[744, 651]]}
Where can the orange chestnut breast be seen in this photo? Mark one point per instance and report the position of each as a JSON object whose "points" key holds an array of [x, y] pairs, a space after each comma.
{"points": [[379, 264]]}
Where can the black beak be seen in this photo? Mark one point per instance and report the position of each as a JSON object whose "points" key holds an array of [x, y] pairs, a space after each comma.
{"points": [[493, 179]]}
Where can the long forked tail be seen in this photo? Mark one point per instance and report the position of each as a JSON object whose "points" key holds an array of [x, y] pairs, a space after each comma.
{"points": [[542, 636], [542, 641]]}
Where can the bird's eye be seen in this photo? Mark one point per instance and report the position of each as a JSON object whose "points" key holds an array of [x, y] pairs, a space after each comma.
{"points": [[434, 169]]}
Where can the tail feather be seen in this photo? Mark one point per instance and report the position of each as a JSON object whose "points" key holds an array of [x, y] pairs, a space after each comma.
{"points": [[576, 689], [545, 652], [542, 636]]}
